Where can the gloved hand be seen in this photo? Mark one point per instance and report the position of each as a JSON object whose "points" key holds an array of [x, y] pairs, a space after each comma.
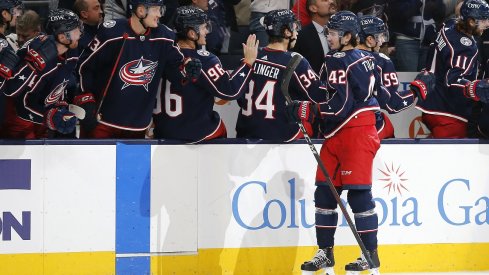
{"points": [[39, 51], [58, 118], [301, 111], [88, 103], [191, 69], [478, 90], [8, 60], [423, 83]]}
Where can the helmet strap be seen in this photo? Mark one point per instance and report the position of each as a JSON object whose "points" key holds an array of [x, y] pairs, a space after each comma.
{"points": [[141, 19]]}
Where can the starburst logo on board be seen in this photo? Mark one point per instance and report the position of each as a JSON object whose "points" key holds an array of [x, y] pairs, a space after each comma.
{"points": [[394, 178]]}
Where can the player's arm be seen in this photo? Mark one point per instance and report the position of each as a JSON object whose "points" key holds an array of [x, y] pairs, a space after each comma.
{"points": [[461, 66], [36, 58], [308, 84], [222, 85], [387, 94]]}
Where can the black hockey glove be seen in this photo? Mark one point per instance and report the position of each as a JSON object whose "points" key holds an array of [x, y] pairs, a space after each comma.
{"points": [[88, 103], [191, 69], [423, 84], [8, 60], [301, 111], [39, 51], [58, 118], [478, 90]]}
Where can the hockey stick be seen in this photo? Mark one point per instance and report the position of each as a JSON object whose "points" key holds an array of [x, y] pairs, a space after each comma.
{"points": [[124, 37], [284, 86]]}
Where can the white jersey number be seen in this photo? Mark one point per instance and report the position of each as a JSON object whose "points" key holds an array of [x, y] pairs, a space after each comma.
{"points": [[264, 100]]}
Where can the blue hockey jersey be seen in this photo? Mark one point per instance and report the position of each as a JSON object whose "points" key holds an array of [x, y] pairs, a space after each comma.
{"points": [[187, 110], [34, 93], [134, 65], [352, 82], [262, 114], [455, 61]]}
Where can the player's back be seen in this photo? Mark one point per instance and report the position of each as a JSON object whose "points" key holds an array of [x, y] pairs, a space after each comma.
{"points": [[455, 57], [262, 113]]}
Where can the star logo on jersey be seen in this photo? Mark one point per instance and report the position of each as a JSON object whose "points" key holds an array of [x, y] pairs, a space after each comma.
{"points": [[22, 77], [242, 74], [138, 73], [57, 93], [394, 178], [264, 58]]}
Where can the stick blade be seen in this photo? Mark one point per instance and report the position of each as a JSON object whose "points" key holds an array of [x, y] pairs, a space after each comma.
{"points": [[77, 110]]}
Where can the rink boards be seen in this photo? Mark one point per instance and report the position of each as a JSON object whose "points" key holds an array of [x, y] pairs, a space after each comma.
{"points": [[232, 208]]}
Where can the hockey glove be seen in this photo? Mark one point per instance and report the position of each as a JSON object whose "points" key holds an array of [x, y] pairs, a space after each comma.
{"points": [[301, 111], [478, 90], [8, 60], [39, 51], [191, 69], [423, 84], [88, 103], [60, 119]]}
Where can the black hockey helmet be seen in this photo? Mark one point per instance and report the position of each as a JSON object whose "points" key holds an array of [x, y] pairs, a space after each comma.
{"points": [[372, 25], [344, 22], [62, 21], [133, 4], [10, 4], [276, 21], [190, 17], [475, 9]]}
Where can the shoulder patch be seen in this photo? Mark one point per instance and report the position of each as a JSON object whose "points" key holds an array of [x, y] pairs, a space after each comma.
{"points": [[384, 56], [3, 44], [202, 52], [466, 41], [109, 24], [339, 54]]}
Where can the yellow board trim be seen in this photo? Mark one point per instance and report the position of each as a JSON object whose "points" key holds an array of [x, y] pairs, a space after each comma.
{"points": [[287, 260], [256, 261], [79, 263]]}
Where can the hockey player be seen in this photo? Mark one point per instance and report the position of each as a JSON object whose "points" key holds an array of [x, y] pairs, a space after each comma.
{"points": [[10, 10], [120, 77], [455, 64], [262, 113], [348, 125], [372, 35], [187, 109], [40, 82]]}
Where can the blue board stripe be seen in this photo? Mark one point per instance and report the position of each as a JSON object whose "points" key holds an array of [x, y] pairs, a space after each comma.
{"points": [[133, 173], [15, 174]]}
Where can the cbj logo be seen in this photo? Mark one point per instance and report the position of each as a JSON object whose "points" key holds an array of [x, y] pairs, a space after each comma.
{"points": [[16, 175], [138, 73]]}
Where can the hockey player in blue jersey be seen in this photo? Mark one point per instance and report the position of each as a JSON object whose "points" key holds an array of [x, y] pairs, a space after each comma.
{"points": [[262, 113], [186, 111], [119, 78], [9, 11], [372, 35], [39, 85], [447, 109], [348, 125]]}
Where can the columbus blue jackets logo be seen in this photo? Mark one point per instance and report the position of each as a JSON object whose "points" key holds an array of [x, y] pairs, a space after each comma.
{"points": [[138, 73], [56, 94]]}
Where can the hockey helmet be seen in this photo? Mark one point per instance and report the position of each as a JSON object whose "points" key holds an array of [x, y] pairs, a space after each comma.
{"points": [[372, 25], [133, 4], [344, 22], [10, 4], [62, 21], [190, 17], [475, 9], [276, 21]]}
